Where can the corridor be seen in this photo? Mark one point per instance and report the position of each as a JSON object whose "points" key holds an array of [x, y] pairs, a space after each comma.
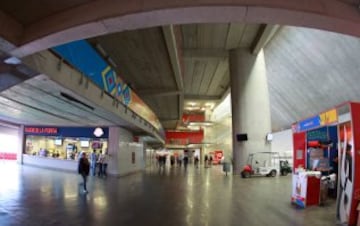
{"points": [[34, 196]]}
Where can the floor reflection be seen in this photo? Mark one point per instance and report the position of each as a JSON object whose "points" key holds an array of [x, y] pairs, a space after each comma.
{"points": [[169, 196]]}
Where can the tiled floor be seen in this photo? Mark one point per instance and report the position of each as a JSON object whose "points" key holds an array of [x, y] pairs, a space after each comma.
{"points": [[33, 196]]}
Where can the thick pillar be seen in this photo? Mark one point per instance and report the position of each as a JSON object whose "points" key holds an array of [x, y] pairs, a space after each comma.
{"points": [[21, 144], [126, 156], [250, 104], [113, 149]]}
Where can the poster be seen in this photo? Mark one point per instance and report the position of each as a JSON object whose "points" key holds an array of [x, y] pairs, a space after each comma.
{"points": [[218, 155], [299, 187], [346, 173]]}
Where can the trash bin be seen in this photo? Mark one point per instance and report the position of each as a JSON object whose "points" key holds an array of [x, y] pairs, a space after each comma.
{"points": [[226, 167], [323, 192]]}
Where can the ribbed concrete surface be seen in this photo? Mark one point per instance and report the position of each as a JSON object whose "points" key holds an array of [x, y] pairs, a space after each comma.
{"points": [[32, 196]]}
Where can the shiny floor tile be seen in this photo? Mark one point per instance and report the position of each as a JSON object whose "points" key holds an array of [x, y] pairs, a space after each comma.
{"points": [[196, 197]]}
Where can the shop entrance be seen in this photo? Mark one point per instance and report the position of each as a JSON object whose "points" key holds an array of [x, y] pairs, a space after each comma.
{"points": [[9, 143]]}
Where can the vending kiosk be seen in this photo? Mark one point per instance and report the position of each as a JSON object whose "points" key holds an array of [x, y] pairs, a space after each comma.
{"points": [[329, 143]]}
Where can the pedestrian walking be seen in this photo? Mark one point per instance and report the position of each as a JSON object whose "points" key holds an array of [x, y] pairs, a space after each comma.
{"points": [[83, 169]]}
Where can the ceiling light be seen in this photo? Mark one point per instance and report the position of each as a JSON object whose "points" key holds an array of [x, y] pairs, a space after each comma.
{"points": [[12, 61], [98, 132], [201, 123]]}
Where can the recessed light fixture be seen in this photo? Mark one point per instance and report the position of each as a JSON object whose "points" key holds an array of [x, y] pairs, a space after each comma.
{"points": [[12, 61], [98, 132]]}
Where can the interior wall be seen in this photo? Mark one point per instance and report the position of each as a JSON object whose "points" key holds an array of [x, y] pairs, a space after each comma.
{"points": [[9, 142], [126, 156], [283, 143], [220, 137], [131, 158]]}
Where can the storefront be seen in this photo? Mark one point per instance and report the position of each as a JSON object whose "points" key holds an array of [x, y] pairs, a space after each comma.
{"points": [[9, 142], [59, 147], [324, 145]]}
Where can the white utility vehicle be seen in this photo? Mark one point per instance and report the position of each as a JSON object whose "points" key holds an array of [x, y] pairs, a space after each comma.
{"points": [[262, 164]]}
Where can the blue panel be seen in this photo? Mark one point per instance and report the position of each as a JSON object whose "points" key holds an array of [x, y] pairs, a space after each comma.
{"points": [[81, 132], [83, 57], [86, 132], [333, 136], [320, 134], [310, 123]]}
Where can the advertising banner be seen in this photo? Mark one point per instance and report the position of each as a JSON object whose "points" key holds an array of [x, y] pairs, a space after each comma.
{"points": [[346, 174], [82, 56], [328, 117], [218, 154], [299, 181]]}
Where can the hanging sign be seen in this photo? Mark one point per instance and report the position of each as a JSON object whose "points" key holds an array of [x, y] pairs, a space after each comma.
{"points": [[328, 117], [41, 130]]}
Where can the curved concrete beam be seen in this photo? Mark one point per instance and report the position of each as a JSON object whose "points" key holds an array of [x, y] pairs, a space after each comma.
{"points": [[107, 16]]}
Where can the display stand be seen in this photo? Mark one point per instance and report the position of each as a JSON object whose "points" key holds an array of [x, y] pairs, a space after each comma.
{"points": [[327, 143], [306, 188]]}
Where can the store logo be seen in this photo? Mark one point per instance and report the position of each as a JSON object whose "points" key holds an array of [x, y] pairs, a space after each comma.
{"points": [[98, 132], [43, 130]]}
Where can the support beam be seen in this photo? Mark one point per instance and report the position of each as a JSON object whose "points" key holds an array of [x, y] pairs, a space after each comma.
{"points": [[206, 54], [234, 35], [10, 32], [264, 36], [172, 46], [46, 63], [202, 97], [158, 93]]}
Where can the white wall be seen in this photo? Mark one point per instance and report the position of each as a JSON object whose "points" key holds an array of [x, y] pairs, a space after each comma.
{"points": [[121, 147], [220, 135], [126, 165], [283, 143], [51, 163]]}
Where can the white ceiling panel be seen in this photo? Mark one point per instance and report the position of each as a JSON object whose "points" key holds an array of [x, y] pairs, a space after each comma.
{"points": [[310, 71]]}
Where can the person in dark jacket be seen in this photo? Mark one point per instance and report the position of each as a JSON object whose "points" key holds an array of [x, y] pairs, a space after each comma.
{"points": [[84, 168]]}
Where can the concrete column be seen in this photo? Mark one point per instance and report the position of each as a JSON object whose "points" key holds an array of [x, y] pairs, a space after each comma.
{"points": [[250, 104], [145, 146], [113, 149], [21, 143]]}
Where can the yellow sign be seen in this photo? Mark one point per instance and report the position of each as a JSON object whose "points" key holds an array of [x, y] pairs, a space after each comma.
{"points": [[328, 117]]}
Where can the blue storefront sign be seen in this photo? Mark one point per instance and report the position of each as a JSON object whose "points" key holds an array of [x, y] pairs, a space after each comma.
{"points": [[309, 123], [87, 132]]}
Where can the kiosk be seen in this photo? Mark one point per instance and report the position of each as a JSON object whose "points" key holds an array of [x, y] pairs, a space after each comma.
{"points": [[330, 143]]}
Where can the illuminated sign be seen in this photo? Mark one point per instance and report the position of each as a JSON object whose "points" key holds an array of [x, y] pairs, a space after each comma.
{"points": [[98, 132], [41, 130], [328, 117]]}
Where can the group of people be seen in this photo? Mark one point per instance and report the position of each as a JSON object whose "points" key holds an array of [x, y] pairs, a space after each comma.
{"points": [[208, 161], [100, 162], [97, 161], [180, 160]]}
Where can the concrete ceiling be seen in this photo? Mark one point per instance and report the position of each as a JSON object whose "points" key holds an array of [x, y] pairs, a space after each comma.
{"points": [[37, 9], [298, 60], [310, 71], [41, 101], [141, 58]]}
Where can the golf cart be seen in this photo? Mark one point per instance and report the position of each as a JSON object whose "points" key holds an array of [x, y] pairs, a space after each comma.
{"points": [[261, 164], [285, 168]]}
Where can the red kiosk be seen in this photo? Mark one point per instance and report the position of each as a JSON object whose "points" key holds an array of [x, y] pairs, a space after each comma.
{"points": [[329, 143]]}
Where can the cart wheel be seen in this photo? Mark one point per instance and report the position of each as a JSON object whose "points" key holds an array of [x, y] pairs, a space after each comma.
{"points": [[284, 172], [245, 174], [273, 173]]}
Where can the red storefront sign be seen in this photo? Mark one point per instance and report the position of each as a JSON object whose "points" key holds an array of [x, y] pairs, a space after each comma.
{"points": [[41, 130], [218, 154]]}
